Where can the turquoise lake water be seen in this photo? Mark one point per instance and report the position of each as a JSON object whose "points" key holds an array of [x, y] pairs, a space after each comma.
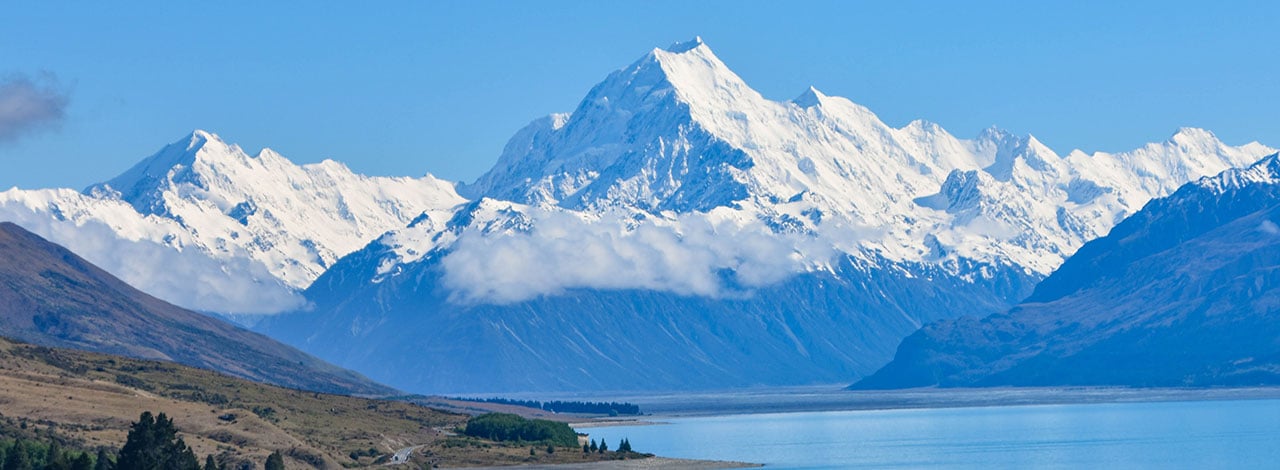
{"points": [[1195, 434]]}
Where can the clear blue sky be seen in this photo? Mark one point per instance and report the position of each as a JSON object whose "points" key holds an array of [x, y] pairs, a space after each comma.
{"points": [[410, 88]]}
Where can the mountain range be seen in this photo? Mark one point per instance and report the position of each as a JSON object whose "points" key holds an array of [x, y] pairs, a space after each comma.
{"points": [[251, 230], [1183, 293], [678, 230], [675, 230]]}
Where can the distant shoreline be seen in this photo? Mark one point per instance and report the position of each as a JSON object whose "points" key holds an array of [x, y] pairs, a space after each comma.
{"points": [[660, 406], [651, 463], [607, 423]]}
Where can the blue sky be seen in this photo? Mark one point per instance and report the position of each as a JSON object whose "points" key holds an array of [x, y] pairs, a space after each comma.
{"points": [[410, 88]]}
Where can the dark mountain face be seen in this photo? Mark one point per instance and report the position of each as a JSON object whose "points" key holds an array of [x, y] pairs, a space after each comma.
{"points": [[50, 296], [813, 329], [1184, 293]]}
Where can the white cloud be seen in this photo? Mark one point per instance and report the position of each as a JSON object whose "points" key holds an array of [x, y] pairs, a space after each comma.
{"points": [[1269, 228], [696, 254], [186, 278], [27, 105]]}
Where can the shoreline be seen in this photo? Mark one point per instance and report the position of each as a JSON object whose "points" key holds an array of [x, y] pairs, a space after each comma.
{"points": [[823, 399], [614, 423], [650, 463]]}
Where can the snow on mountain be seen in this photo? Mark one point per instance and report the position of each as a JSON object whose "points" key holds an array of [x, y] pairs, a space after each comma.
{"points": [[677, 132], [1182, 293], [260, 218], [679, 230], [147, 251]]}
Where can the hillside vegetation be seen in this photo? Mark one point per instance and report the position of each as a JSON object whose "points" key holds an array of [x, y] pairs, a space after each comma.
{"points": [[87, 401], [52, 297]]}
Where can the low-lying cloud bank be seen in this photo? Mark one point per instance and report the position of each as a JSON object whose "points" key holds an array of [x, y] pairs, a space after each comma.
{"points": [[189, 278], [694, 254]]}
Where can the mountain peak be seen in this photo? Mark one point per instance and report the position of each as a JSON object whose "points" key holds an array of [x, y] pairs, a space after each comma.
{"points": [[680, 47], [1193, 136], [810, 97], [202, 134], [1264, 171], [179, 154]]}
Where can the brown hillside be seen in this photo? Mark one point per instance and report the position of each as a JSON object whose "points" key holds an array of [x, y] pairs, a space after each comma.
{"points": [[52, 297]]}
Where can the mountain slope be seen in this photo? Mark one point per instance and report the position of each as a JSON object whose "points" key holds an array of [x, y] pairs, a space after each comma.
{"points": [[678, 131], [1185, 292], [679, 230], [52, 297], [814, 328], [238, 421], [295, 219], [256, 228]]}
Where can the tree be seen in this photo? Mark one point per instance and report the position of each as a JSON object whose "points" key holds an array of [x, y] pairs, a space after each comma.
{"points": [[209, 463], [83, 462], [603, 446], [532, 452], [594, 447], [53, 457], [153, 444], [551, 449], [586, 448], [17, 458], [625, 445], [103, 462], [275, 461]]}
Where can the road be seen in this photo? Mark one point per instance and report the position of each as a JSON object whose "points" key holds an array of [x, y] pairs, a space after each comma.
{"points": [[402, 455]]}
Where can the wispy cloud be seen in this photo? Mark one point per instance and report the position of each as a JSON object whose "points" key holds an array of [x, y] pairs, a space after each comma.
{"points": [[30, 104]]}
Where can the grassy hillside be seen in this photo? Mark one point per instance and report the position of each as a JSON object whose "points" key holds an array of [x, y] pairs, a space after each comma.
{"points": [[52, 297], [89, 399]]}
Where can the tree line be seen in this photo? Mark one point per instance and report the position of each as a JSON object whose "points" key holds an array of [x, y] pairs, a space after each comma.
{"points": [[556, 406], [152, 444], [507, 427]]}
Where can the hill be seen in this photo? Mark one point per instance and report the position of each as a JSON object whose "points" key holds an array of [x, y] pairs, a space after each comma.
{"points": [[52, 297], [88, 401]]}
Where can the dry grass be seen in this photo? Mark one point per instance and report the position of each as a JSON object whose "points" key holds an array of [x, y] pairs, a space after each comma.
{"points": [[92, 398]]}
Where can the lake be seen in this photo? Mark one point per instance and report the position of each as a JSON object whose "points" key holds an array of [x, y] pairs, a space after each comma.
{"points": [[1186, 434]]}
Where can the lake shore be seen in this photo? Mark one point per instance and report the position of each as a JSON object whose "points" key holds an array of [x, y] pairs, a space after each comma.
{"points": [[660, 405], [613, 422], [651, 463]]}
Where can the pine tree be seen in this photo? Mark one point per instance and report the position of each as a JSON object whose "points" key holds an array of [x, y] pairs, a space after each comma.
{"points": [[83, 462], [275, 461], [624, 446], [153, 444], [551, 449], [604, 447], [209, 463], [103, 462], [55, 458], [17, 458], [532, 452], [586, 448], [594, 446]]}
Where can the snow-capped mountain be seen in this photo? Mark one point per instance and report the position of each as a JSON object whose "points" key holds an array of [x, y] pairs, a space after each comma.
{"points": [[679, 230], [1182, 293], [246, 225], [678, 132]]}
